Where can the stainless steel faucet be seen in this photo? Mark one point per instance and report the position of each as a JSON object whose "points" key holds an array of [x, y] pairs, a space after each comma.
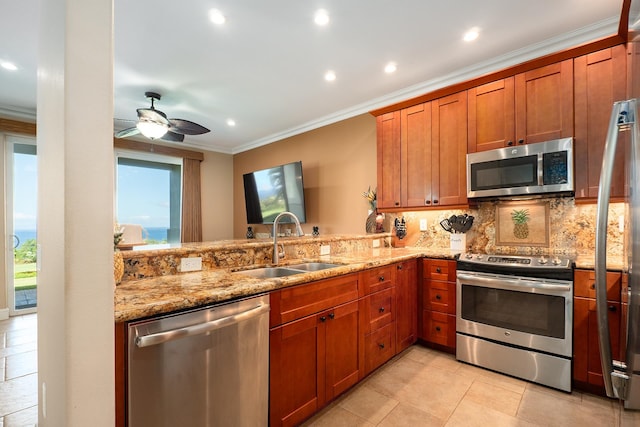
{"points": [[276, 253]]}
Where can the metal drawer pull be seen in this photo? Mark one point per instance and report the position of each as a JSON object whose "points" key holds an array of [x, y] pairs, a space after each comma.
{"points": [[381, 278], [438, 328], [381, 345], [162, 337], [381, 309], [332, 316], [438, 297]]}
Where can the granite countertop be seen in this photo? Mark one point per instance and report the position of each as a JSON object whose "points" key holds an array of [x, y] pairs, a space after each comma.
{"points": [[137, 299]]}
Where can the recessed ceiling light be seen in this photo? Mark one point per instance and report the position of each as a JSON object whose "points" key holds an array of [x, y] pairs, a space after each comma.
{"points": [[329, 76], [471, 35], [321, 17], [391, 67], [231, 122], [8, 65], [217, 17]]}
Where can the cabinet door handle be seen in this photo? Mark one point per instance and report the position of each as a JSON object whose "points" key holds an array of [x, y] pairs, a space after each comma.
{"points": [[381, 309], [399, 267], [612, 308], [381, 279], [397, 203], [435, 202], [427, 202], [593, 286], [438, 270], [438, 328], [438, 297], [323, 319], [510, 143], [332, 316], [521, 141], [381, 345]]}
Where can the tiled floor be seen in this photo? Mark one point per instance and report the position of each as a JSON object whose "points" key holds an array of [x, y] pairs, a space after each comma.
{"points": [[19, 378], [422, 387]]}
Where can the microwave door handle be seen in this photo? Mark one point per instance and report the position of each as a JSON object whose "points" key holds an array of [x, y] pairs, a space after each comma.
{"points": [[540, 169], [620, 116], [511, 284]]}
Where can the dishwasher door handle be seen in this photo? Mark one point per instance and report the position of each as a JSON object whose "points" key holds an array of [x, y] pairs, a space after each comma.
{"points": [[201, 328]]}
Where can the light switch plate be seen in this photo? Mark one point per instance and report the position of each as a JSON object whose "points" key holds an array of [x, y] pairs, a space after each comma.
{"points": [[325, 249], [423, 224], [191, 264]]}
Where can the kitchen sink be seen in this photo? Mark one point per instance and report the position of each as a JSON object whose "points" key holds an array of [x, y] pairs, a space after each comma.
{"points": [[313, 266], [270, 272], [289, 270]]}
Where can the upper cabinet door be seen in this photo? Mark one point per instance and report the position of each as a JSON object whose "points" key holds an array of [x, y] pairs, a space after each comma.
{"points": [[600, 80], [544, 103], [449, 145], [388, 145], [491, 116], [416, 155]]}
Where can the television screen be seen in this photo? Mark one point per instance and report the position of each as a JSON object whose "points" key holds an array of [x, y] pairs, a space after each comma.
{"points": [[271, 191]]}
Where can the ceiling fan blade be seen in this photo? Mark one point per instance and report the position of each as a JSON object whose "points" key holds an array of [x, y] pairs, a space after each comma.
{"points": [[153, 115], [186, 127], [127, 132], [172, 136]]}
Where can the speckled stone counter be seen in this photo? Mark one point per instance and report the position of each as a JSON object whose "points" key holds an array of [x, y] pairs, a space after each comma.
{"points": [[588, 262], [137, 299]]}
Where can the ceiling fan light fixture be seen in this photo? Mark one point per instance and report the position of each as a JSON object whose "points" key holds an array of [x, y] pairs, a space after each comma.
{"points": [[152, 130]]}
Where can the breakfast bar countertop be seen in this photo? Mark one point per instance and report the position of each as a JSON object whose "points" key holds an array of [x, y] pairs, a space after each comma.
{"points": [[141, 298]]}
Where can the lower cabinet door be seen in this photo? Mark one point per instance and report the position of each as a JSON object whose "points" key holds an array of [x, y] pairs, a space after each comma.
{"points": [[293, 380], [341, 349]]}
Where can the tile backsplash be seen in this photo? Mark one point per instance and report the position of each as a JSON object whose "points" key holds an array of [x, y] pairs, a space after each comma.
{"points": [[571, 229]]}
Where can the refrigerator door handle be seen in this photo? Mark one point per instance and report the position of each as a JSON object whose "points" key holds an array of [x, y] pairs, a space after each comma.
{"points": [[622, 116]]}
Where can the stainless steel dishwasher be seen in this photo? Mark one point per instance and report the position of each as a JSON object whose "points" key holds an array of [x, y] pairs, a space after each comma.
{"points": [[200, 368]]}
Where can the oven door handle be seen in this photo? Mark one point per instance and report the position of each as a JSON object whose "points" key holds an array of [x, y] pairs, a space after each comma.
{"points": [[512, 284]]}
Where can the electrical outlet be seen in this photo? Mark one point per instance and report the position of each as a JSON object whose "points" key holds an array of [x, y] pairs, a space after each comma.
{"points": [[191, 264], [423, 224], [325, 249], [375, 243]]}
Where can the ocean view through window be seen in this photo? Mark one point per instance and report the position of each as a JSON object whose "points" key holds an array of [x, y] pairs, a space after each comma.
{"points": [[148, 193]]}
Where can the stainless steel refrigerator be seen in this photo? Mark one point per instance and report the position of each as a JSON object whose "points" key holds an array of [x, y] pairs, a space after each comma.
{"points": [[621, 378]]}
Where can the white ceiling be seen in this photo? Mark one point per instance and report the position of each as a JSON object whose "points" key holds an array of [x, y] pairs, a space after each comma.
{"points": [[264, 67]]}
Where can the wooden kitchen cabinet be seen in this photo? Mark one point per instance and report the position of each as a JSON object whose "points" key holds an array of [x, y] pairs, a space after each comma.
{"points": [[438, 303], [406, 304], [388, 152], [600, 80], [529, 107], [422, 162], [316, 357], [587, 370], [377, 317]]}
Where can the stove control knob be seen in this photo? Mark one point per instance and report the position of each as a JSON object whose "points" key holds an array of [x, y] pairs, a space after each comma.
{"points": [[469, 256], [542, 260], [479, 257], [556, 261]]}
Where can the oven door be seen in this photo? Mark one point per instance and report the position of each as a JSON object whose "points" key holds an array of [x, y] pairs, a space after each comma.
{"points": [[530, 313]]}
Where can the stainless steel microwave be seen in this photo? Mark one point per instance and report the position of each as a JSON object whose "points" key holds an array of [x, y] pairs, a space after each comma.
{"points": [[531, 169]]}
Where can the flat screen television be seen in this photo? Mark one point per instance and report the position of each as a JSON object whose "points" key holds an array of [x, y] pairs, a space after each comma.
{"points": [[269, 192]]}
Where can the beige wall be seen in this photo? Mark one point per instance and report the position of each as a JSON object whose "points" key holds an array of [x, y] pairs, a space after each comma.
{"points": [[216, 177], [338, 162]]}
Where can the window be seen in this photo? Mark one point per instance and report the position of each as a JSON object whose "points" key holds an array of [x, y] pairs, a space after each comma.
{"points": [[148, 193]]}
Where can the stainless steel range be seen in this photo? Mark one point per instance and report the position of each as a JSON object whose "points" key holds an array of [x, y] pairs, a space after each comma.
{"points": [[514, 314]]}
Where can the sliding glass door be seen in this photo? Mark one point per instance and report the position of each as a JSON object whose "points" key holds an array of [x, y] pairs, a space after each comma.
{"points": [[21, 191]]}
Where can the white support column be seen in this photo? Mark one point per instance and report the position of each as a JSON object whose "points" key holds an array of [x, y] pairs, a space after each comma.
{"points": [[75, 214]]}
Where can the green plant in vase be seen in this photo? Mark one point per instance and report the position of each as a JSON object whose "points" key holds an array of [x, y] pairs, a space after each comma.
{"points": [[520, 218]]}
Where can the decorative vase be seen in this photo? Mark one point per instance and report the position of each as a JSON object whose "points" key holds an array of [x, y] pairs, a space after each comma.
{"points": [[371, 222], [118, 267]]}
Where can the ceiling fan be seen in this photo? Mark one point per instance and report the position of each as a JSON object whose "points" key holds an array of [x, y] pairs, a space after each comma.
{"points": [[154, 124]]}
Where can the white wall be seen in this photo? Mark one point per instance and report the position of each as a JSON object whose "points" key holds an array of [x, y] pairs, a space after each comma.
{"points": [[75, 214]]}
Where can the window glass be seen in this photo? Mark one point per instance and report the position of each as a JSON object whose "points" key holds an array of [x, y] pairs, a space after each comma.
{"points": [[148, 193]]}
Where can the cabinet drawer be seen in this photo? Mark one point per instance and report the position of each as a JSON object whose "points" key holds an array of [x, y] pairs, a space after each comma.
{"points": [[298, 301], [439, 296], [439, 269], [379, 347], [439, 328], [584, 284], [378, 310], [377, 279]]}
